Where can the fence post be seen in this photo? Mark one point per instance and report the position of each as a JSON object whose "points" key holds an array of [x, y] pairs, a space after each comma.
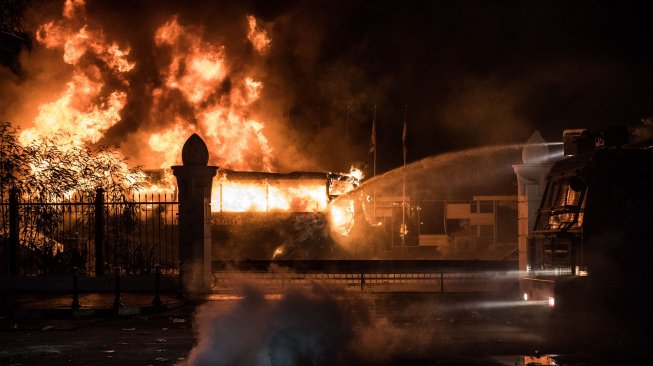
{"points": [[117, 303], [99, 232], [194, 181], [157, 285], [75, 305], [441, 283], [13, 231], [180, 286]]}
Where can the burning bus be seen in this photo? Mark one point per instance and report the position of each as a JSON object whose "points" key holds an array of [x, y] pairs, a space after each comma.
{"points": [[592, 241], [264, 215]]}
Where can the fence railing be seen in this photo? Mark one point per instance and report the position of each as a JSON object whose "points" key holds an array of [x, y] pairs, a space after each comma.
{"points": [[435, 276], [90, 233]]}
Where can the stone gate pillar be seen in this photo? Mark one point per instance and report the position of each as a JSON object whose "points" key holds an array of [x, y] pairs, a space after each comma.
{"points": [[531, 182], [194, 181]]}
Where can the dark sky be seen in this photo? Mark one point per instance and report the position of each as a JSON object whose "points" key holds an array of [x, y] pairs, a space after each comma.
{"points": [[471, 73]]}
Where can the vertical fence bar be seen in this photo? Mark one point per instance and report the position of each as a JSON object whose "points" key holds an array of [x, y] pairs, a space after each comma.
{"points": [[99, 232], [165, 227], [117, 302], [157, 285], [113, 225], [158, 228], [180, 285], [139, 204], [87, 226], [146, 241], [441, 283], [13, 231], [75, 305]]}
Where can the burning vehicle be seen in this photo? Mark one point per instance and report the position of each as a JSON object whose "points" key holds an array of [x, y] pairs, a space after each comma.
{"points": [[261, 215], [591, 242]]}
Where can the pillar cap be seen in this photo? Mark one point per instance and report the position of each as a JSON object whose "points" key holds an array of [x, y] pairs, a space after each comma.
{"points": [[195, 151], [535, 152]]}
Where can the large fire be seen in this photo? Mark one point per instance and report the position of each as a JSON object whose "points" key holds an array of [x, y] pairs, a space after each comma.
{"points": [[194, 73], [266, 192], [265, 196], [198, 73], [294, 192]]}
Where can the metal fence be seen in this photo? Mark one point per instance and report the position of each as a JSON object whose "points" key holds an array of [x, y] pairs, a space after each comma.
{"points": [[433, 282], [90, 233], [434, 276]]}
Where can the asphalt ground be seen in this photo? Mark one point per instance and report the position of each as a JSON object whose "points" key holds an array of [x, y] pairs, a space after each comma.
{"points": [[401, 329]]}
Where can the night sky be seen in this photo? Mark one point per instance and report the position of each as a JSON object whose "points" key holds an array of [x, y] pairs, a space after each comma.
{"points": [[471, 73]]}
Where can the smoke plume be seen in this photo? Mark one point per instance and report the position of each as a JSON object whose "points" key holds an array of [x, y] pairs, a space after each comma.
{"points": [[292, 85], [319, 325]]}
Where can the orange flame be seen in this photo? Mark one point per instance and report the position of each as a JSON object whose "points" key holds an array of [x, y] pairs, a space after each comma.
{"points": [[89, 105], [198, 69], [85, 109], [256, 36], [266, 196], [218, 104]]}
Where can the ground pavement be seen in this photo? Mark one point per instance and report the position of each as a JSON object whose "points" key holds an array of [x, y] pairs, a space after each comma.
{"points": [[421, 329]]}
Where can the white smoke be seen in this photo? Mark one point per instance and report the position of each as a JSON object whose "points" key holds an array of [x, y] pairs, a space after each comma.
{"points": [[317, 325]]}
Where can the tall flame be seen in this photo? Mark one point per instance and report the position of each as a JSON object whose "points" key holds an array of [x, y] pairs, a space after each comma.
{"points": [[86, 107], [199, 70], [216, 102], [256, 36], [201, 91]]}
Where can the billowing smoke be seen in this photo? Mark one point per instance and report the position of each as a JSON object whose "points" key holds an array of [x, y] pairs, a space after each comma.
{"points": [[292, 85], [318, 325]]}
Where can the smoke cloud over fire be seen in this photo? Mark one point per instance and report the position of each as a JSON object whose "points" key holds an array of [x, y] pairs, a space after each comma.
{"points": [[292, 85]]}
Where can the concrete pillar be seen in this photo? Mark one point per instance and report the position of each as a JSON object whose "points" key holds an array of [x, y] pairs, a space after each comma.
{"points": [[194, 181], [531, 182]]}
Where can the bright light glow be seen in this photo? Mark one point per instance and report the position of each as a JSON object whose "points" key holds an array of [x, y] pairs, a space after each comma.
{"points": [[269, 195], [553, 272], [506, 304], [227, 297], [539, 360], [552, 301], [582, 271], [341, 215], [525, 296], [277, 252]]}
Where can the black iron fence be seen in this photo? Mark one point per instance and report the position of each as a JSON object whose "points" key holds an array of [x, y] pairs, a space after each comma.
{"points": [[434, 276], [91, 233]]}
